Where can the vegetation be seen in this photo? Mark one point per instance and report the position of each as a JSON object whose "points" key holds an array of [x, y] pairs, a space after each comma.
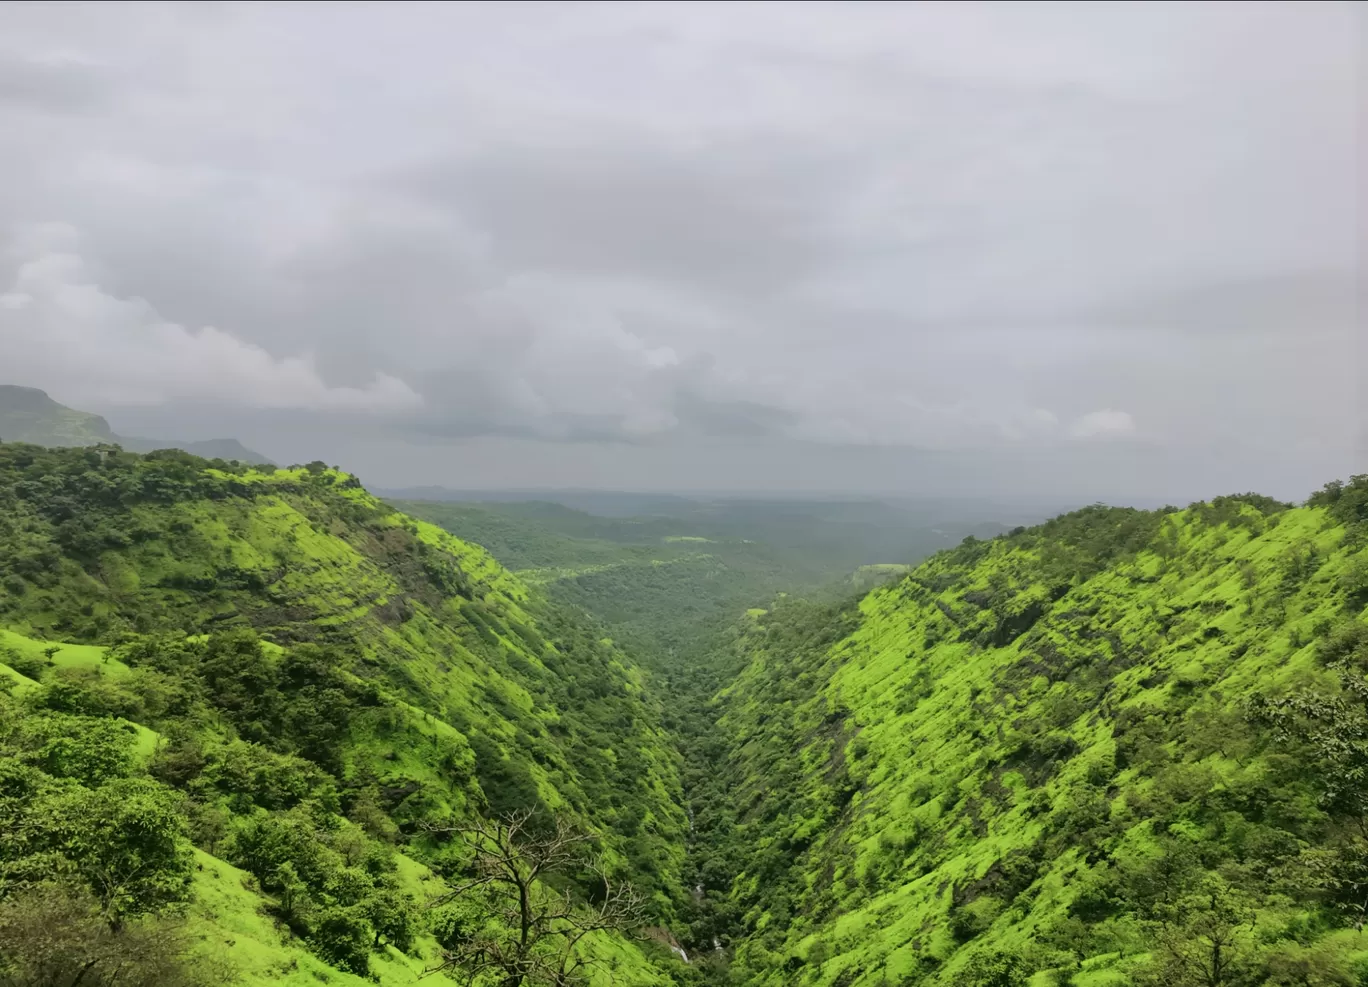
{"points": [[670, 584], [260, 715], [1122, 747], [274, 672], [50, 937], [505, 921]]}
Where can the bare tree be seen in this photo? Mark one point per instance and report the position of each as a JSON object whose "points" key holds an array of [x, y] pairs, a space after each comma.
{"points": [[520, 932]]}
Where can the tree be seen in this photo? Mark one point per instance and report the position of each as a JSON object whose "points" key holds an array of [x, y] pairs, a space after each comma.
{"points": [[391, 914], [342, 936], [508, 928], [126, 839], [1205, 940], [53, 936], [1331, 730], [996, 969]]}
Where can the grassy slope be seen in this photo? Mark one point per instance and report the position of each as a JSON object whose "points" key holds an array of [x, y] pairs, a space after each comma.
{"points": [[285, 559], [229, 916], [226, 914], [467, 651], [968, 717]]}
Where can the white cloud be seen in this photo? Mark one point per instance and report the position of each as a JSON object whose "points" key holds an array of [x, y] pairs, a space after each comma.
{"points": [[60, 330], [1103, 423]]}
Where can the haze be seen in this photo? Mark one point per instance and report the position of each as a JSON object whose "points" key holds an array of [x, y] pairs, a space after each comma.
{"points": [[1082, 251]]}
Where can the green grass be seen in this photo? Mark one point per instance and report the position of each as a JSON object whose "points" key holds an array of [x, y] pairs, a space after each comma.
{"points": [[72, 656], [229, 918]]}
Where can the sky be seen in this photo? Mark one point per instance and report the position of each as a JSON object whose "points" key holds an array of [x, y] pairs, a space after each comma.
{"points": [[1099, 251]]}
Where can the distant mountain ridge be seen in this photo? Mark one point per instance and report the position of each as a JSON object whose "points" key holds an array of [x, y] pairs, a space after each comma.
{"points": [[28, 414]]}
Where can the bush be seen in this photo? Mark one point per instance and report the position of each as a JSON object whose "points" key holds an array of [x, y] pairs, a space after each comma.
{"points": [[30, 666], [55, 935], [996, 969], [342, 936]]}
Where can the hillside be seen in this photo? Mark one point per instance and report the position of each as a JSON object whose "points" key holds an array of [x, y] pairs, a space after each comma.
{"points": [[1122, 747], [1119, 748], [670, 582], [304, 688], [29, 415]]}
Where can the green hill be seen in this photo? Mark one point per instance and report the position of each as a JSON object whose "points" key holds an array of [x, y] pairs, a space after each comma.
{"points": [[307, 687], [1123, 747], [29, 415]]}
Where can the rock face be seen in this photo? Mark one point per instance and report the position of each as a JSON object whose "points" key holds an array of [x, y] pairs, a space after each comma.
{"points": [[27, 414]]}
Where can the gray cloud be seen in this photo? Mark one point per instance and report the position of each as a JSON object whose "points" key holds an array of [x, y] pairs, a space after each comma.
{"points": [[741, 219], [55, 85], [1035, 234]]}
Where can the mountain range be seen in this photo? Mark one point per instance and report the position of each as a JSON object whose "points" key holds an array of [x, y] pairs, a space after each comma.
{"points": [[27, 414]]}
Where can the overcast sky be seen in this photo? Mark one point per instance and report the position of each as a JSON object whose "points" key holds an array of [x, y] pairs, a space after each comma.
{"points": [[1092, 251]]}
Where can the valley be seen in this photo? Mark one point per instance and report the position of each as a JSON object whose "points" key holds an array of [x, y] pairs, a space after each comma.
{"points": [[827, 743], [651, 494]]}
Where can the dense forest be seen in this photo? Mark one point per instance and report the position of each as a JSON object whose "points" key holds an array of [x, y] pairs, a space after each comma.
{"points": [[258, 726], [264, 703]]}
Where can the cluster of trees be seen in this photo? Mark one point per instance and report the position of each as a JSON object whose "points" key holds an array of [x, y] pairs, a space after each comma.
{"points": [[81, 806], [63, 511], [92, 835], [91, 850]]}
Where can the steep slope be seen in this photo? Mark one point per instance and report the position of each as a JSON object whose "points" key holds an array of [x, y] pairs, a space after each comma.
{"points": [[310, 669], [29, 415], [1121, 747]]}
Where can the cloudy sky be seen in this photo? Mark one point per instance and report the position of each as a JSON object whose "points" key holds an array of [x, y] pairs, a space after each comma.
{"points": [[1093, 251]]}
